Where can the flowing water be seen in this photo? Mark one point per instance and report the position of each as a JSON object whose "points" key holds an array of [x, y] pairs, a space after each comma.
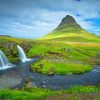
{"points": [[22, 55], [4, 63]]}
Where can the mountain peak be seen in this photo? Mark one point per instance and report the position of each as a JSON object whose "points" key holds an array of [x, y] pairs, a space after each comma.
{"points": [[68, 22], [68, 19]]}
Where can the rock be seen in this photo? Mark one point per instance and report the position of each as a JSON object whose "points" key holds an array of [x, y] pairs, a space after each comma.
{"points": [[51, 71], [29, 85], [69, 50]]}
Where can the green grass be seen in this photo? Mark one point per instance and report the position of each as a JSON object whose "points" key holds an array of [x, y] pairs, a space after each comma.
{"points": [[26, 94], [41, 94], [35, 94], [51, 67], [78, 36], [83, 89], [78, 93]]}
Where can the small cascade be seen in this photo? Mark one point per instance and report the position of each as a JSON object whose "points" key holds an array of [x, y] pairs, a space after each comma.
{"points": [[3, 59], [4, 63], [1, 62], [22, 55]]}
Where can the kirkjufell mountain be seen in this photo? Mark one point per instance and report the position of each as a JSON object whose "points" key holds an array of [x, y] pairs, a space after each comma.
{"points": [[70, 30], [68, 23]]}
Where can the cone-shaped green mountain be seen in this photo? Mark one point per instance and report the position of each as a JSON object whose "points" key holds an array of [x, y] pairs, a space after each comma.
{"points": [[70, 30]]}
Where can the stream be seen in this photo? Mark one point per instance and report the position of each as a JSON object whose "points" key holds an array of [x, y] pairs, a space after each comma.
{"points": [[15, 78]]}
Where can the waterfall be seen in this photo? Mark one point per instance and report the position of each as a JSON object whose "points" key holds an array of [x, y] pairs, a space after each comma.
{"points": [[22, 55], [4, 63], [3, 58], [1, 62]]}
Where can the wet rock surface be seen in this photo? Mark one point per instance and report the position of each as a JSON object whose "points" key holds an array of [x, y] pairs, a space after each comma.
{"points": [[9, 79]]}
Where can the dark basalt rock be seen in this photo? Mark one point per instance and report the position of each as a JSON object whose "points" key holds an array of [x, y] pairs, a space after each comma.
{"points": [[68, 20]]}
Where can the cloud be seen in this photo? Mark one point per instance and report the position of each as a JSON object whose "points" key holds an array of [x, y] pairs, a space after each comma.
{"points": [[35, 18]]}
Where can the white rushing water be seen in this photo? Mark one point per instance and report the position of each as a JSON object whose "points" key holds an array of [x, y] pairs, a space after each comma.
{"points": [[1, 62], [22, 55], [4, 60], [4, 63]]}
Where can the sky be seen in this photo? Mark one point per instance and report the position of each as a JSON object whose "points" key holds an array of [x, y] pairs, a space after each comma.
{"points": [[35, 18]]}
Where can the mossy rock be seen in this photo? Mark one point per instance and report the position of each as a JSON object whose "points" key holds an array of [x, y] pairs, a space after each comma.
{"points": [[51, 71]]}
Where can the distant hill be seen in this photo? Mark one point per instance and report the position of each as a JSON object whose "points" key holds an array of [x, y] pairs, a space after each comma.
{"points": [[70, 30], [5, 35]]}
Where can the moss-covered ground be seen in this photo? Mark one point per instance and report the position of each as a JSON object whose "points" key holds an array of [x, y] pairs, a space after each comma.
{"points": [[44, 94]]}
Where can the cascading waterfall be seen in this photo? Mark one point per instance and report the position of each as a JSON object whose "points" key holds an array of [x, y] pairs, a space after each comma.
{"points": [[22, 55], [1, 62], [4, 59], [4, 63]]}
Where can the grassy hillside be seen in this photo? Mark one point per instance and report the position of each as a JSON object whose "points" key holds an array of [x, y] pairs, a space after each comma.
{"points": [[72, 37]]}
